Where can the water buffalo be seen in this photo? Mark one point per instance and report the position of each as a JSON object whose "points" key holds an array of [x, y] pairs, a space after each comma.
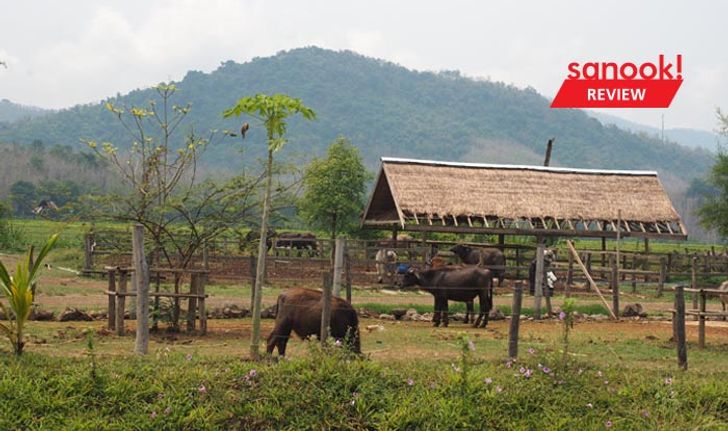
{"points": [[487, 257], [250, 240], [456, 284], [386, 263], [300, 241], [299, 310]]}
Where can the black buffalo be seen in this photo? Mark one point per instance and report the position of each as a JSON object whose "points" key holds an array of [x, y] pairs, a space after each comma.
{"points": [[299, 310], [298, 241], [491, 258], [461, 284]]}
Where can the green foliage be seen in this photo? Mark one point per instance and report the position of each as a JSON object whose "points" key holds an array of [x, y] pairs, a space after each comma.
{"points": [[10, 234], [335, 189], [24, 196], [17, 291], [273, 111], [714, 211]]}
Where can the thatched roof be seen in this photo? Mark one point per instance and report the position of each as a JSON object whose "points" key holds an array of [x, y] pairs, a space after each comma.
{"points": [[466, 197]]}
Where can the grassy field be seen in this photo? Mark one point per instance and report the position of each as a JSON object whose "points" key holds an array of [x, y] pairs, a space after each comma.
{"points": [[617, 375]]}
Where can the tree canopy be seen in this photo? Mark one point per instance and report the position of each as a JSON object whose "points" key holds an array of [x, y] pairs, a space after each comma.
{"points": [[714, 211], [335, 189]]}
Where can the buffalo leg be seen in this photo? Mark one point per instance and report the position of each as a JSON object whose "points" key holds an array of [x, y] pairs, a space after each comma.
{"points": [[469, 312], [279, 337], [445, 312], [437, 312]]}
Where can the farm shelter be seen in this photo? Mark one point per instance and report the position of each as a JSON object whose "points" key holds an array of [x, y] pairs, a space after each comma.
{"points": [[423, 195], [434, 196]]}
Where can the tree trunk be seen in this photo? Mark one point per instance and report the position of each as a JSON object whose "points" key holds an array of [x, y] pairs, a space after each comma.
{"points": [[262, 252]]}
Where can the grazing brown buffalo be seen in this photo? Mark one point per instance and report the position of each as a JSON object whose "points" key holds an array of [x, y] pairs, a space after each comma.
{"points": [[299, 310], [491, 258], [461, 284]]}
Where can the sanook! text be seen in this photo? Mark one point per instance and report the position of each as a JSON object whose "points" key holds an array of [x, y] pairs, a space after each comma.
{"points": [[626, 85]]}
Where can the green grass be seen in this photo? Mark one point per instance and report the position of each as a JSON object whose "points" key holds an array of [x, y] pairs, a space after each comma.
{"points": [[330, 390]]}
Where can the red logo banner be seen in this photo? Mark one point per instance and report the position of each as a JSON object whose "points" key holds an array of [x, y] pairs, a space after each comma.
{"points": [[611, 85]]}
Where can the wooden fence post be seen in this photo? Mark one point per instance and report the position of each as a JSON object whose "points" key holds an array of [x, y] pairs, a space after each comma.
{"points": [[701, 321], [141, 286], [338, 264], [682, 348], [326, 307], [615, 285], [669, 266], [192, 303], [88, 243], [515, 320], [121, 302], [201, 282], [663, 275], [694, 283], [348, 278], [111, 312]]}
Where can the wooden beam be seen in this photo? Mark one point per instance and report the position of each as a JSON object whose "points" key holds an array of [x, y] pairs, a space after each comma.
{"points": [[593, 285]]}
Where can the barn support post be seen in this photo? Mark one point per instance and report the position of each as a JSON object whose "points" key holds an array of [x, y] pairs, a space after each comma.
{"points": [[647, 245], [538, 284], [634, 276], [518, 263], [515, 320], [682, 348], [140, 279], [603, 254], [614, 278], [701, 321], [663, 276], [501, 242], [121, 302], [669, 266], [111, 312], [570, 275], [326, 307], [338, 264]]}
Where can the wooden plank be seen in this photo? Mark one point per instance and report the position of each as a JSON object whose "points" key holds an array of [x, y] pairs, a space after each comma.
{"points": [[701, 321], [141, 285], [121, 303], [682, 348], [111, 312], [326, 308], [593, 285]]}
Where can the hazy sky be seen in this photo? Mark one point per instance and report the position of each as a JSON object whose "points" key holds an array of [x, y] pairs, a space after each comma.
{"points": [[60, 53]]}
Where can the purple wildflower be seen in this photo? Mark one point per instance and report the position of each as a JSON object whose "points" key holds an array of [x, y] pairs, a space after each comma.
{"points": [[599, 374], [590, 405], [668, 380], [410, 382], [153, 415], [488, 380], [528, 373], [522, 370], [252, 373], [608, 424], [337, 343], [471, 346], [509, 364], [498, 389], [188, 357], [562, 316], [531, 350], [645, 413], [202, 389], [546, 370], [606, 382]]}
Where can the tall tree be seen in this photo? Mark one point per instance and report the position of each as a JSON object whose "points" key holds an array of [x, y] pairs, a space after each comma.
{"points": [[714, 211], [335, 189], [273, 112]]}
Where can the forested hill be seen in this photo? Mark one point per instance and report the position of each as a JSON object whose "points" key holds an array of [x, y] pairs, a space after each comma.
{"points": [[386, 110]]}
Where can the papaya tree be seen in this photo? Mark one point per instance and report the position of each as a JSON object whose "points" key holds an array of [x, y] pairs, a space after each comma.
{"points": [[272, 112]]}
